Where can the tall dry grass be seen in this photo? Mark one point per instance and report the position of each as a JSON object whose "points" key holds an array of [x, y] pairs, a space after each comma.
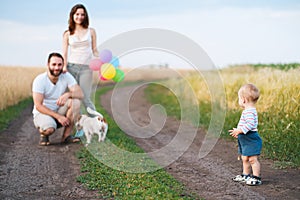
{"points": [[16, 84], [280, 90], [278, 106], [16, 81]]}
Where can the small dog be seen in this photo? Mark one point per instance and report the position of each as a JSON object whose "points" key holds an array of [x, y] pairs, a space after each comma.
{"points": [[91, 125]]}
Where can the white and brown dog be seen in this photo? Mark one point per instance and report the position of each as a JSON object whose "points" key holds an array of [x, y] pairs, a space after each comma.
{"points": [[92, 125]]}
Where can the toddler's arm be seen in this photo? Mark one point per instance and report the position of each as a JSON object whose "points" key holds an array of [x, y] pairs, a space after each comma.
{"points": [[235, 132]]}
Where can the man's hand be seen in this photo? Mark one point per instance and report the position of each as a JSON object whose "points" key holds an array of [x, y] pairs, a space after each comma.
{"points": [[63, 99], [64, 121]]}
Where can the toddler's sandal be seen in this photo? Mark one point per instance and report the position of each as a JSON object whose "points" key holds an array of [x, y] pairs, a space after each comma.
{"points": [[253, 181]]}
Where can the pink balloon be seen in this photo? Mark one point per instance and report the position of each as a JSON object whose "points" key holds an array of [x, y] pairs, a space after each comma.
{"points": [[95, 64], [105, 56]]}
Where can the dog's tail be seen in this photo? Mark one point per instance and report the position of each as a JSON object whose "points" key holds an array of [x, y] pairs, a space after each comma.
{"points": [[93, 112]]}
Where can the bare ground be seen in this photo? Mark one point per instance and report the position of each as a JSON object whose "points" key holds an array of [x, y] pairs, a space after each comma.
{"points": [[29, 171]]}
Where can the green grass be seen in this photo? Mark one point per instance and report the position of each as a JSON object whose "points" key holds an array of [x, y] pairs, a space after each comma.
{"points": [[117, 184], [281, 137], [281, 66], [279, 130], [122, 185], [157, 94], [12, 112]]}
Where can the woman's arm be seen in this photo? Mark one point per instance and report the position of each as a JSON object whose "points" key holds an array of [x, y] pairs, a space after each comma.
{"points": [[94, 43], [65, 46]]}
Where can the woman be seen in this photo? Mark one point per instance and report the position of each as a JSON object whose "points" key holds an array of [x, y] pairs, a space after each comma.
{"points": [[82, 42]]}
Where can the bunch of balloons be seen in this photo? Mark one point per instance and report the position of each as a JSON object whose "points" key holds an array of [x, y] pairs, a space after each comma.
{"points": [[108, 66]]}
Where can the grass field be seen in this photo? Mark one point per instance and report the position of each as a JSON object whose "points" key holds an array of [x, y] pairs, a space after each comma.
{"points": [[278, 106], [279, 114]]}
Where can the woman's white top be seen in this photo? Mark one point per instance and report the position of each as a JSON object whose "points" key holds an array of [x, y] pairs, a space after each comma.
{"points": [[80, 48]]}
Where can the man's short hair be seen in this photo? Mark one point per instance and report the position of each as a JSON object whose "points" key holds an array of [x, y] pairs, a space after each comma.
{"points": [[55, 54]]}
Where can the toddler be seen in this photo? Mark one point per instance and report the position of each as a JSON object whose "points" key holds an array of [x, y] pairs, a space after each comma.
{"points": [[249, 141]]}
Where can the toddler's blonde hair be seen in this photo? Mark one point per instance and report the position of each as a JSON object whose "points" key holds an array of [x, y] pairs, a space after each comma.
{"points": [[250, 92]]}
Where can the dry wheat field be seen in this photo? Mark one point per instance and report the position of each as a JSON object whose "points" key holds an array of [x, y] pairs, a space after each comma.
{"points": [[278, 87], [16, 81]]}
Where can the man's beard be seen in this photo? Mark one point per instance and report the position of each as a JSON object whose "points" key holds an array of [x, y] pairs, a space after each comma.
{"points": [[52, 72]]}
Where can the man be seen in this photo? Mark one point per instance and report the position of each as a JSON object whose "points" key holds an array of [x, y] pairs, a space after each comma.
{"points": [[56, 98]]}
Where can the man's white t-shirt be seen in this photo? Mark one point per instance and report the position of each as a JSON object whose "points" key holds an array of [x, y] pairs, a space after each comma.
{"points": [[43, 85]]}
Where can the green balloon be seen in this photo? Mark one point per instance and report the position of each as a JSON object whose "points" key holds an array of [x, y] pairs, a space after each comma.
{"points": [[119, 76]]}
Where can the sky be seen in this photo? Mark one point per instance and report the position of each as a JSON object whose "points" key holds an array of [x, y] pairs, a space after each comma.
{"points": [[229, 31]]}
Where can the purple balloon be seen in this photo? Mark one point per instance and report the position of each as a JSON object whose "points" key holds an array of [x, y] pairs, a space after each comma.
{"points": [[105, 56]]}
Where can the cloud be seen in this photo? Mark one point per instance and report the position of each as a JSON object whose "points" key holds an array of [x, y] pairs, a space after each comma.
{"points": [[23, 44], [229, 35]]}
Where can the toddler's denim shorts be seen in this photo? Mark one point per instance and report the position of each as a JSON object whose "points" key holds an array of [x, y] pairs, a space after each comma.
{"points": [[250, 144]]}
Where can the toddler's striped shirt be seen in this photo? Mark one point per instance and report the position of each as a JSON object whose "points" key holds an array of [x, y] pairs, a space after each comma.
{"points": [[248, 120]]}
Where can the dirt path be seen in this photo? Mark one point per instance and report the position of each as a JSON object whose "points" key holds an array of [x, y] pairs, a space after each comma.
{"points": [[29, 171], [210, 177]]}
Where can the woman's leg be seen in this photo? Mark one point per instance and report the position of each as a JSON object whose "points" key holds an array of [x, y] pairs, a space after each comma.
{"points": [[74, 70], [86, 84]]}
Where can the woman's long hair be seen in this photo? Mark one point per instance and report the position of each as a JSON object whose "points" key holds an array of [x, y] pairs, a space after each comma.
{"points": [[85, 22]]}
